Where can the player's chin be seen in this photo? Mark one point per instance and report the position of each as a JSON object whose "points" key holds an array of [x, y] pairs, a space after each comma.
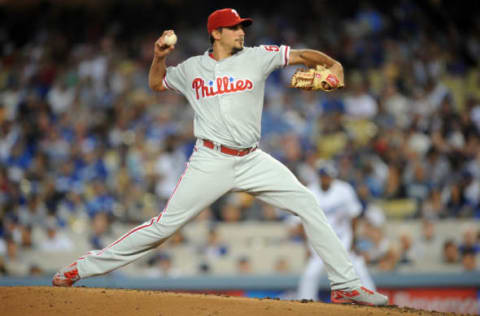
{"points": [[237, 48]]}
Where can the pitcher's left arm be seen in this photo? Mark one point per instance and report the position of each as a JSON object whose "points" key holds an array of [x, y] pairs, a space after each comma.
{"points": [[311, 58]]}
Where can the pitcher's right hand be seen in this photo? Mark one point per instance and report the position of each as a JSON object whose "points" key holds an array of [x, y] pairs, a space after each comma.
{"points": [[161, 50]]}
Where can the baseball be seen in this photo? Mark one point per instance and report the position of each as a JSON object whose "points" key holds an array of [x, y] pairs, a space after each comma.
{"points": [[170, 39]]}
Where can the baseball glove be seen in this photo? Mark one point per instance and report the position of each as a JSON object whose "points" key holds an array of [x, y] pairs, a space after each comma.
{"points": [[320, 78]]}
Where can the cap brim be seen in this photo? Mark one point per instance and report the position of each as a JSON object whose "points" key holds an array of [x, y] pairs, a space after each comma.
{"points": [[325, 174], [246, 22]]}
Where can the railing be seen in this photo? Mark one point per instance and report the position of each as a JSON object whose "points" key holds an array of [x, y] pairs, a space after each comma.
{"points": [[253, 282]]}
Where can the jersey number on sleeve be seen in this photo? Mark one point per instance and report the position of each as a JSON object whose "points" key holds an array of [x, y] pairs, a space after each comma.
{"points": [[271, 48]]}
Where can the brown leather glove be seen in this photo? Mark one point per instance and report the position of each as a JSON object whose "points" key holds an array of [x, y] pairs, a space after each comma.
{"points": [[320, 78]]}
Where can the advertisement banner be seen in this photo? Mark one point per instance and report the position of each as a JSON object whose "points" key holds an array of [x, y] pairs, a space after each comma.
{"points": [[457, 300]]}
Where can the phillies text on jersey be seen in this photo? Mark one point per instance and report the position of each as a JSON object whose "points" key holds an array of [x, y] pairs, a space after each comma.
{"points": [[220, 85]]}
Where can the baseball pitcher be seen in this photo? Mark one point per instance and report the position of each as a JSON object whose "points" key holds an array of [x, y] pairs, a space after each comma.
{"points": [[225, 87]]}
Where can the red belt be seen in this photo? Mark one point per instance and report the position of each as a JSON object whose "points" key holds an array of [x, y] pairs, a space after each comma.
{"points": [[229, 151]]}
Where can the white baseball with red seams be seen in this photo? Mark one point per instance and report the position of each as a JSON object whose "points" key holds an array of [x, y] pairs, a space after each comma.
{"points": [[227, 98], [170, 39]]}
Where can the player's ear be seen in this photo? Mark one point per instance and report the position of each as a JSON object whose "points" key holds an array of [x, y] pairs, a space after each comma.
{"points": [[217, 33]]}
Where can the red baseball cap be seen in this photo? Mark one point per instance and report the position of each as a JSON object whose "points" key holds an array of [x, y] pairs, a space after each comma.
{"points": [[226, 17]]}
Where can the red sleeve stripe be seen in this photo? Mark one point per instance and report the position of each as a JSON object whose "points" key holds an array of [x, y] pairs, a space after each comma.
{"points": [[287, 56], [165, 82]]}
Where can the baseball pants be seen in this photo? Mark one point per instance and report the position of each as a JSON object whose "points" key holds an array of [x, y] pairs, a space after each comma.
{"points": [[309, 284], [208, 175]]}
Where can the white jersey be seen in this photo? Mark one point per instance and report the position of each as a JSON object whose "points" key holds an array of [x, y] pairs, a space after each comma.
{"points": [[341, 205], [227, 95]]}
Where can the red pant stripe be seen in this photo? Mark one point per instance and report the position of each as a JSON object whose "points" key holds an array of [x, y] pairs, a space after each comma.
{"points": [[176, 186]]}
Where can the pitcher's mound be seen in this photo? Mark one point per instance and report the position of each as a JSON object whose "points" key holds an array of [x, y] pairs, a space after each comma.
{"points": [[25, 301]]}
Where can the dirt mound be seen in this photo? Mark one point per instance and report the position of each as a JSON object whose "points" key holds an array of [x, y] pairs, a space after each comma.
{"points": [[93, 301]]}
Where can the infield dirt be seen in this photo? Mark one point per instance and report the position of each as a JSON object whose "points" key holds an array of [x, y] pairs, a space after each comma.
{"points": [[25, 301]]}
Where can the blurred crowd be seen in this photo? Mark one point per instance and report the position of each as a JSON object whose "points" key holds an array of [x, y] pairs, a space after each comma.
{"points": [[83, 137]]}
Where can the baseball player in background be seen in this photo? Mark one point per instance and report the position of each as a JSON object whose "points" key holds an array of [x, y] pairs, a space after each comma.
{"points": [[225, 87], [339, 201]]}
